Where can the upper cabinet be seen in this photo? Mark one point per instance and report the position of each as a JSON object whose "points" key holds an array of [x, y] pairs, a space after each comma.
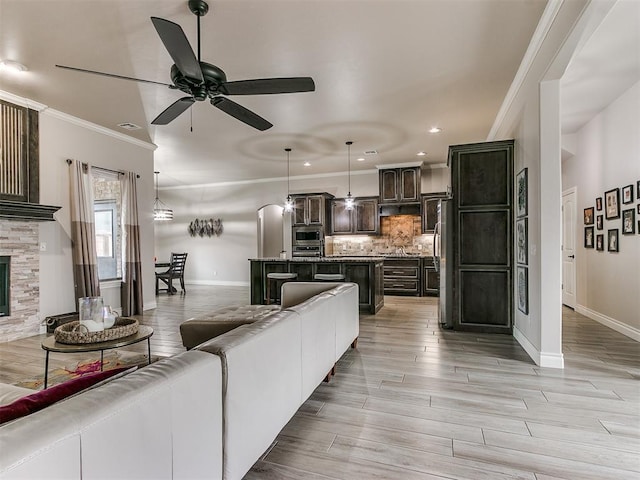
{"points": [[363, 219], [430, 210], [311, 209], [400, 185]]}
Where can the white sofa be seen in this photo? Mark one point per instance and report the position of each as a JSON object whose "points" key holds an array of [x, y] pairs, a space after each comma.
{"points": [[162, 421], [205, 413]]}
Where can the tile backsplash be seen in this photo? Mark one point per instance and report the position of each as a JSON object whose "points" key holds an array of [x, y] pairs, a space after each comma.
{"points": [[396, 232]]}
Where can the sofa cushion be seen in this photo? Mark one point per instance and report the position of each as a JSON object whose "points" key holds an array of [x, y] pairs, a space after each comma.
{"points": [[261, 386], [205, 327], [10, 393], [43, 398]]}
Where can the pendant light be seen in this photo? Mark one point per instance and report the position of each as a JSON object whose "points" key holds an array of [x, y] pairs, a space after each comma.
{"points": [[160, 210], [288, 204], [349, 201]]}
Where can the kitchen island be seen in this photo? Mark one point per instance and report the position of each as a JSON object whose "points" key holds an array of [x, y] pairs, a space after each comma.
{"points": [[367, 272]]}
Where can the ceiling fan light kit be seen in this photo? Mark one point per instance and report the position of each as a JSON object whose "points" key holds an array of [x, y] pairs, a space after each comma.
{"points": [[201, 80]]}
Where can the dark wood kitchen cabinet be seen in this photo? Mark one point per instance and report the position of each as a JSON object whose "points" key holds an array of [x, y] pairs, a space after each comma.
{"points": [[402, 276], [400, 185], [362, 220], [430, 278], [430, 210], [482, 188], [311, 209]]}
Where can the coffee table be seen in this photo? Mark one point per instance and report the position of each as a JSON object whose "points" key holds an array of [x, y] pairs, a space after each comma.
{"points": [[49, 345]]}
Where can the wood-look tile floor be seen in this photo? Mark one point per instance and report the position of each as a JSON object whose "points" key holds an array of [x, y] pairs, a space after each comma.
{"points": [[414, 401]]}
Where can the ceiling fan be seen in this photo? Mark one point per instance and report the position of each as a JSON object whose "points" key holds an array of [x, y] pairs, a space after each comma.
{"points": [[201, 80]]}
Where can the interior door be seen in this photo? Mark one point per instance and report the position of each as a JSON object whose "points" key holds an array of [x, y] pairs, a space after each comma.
{"points": [[569, 248]]}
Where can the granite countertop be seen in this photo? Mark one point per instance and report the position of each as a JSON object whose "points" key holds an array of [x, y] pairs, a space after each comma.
{"points": [[319, 259]]}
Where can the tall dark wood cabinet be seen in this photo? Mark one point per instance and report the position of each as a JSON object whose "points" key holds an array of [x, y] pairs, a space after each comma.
{"points": [[482, 234]]}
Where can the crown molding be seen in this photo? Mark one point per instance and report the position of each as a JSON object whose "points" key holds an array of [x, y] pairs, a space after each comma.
{"points": [[544, 25], [270, 180], [400, 165], [21, 101], [98, 128]]}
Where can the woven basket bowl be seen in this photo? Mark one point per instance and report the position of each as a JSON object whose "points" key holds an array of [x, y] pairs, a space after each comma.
{"points": [[74, 333]]}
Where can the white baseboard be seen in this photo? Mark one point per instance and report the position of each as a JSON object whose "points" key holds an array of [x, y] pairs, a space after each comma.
{"points": [[149, 306], [612, 323], [551, 360], [217, 282], [542, 359]]}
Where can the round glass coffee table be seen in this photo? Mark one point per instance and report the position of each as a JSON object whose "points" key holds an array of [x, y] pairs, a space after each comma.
{"points": [[49, 344]]}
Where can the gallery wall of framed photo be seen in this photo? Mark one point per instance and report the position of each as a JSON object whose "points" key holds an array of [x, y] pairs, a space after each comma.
{"points": [[615, 213], [522, 241]]}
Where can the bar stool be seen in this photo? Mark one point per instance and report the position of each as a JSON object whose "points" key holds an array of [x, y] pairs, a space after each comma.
{"points": [[328, 277], [275, 278]]}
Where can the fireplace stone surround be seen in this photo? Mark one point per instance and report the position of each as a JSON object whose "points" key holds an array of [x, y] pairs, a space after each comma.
{"points": [[19, 240]]}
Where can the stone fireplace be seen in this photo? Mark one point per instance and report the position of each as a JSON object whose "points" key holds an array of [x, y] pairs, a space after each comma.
{"points": [[19, 242], [5, 269]]}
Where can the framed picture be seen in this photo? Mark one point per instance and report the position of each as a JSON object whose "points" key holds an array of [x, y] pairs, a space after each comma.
{"points": [[599, 222], [523, 290], [612, 240], [588, 216], [612, 204], [628, 222], [521, 193], [588, 237], [522, 241], [627, 194], [600, 242], [599, 203]]}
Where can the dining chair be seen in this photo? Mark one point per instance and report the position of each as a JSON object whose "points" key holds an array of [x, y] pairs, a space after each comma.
{"points": [[175, 272]]}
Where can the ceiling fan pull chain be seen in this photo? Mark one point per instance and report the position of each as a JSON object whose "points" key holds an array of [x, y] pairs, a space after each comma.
{"points": [[191, 113]]}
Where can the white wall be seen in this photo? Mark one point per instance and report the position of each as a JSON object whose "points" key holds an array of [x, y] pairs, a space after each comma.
{"points": [[607, 156], [224, 259], [63, 137], [530, 115]]}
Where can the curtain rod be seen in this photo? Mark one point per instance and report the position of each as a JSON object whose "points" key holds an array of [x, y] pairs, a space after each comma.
{"points": [[119, 172]]}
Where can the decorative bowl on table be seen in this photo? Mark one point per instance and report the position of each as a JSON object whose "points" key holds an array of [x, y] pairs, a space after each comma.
{"points": [[75, 333]]}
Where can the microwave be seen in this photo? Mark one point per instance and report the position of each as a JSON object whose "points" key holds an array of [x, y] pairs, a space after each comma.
{"points": [[308, 235]]}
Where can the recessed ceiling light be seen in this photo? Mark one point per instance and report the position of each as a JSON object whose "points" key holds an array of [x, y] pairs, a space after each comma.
{"points": [[421, 154], [435, 130], [129, 126], [307, 164], [12, 66], [361, 159]]}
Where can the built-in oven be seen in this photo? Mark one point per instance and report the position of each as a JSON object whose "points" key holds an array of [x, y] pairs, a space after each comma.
{"points": [[307, 242], [307, 251]]}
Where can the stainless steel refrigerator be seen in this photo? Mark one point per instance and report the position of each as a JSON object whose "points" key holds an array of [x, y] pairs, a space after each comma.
{"points": [[443, 251]]}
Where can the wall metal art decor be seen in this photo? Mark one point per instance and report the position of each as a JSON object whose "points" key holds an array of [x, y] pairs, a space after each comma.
{"points": [[201, 227]]}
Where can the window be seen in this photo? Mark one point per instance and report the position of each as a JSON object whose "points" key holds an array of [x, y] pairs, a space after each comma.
{"points": [[107, 208]]}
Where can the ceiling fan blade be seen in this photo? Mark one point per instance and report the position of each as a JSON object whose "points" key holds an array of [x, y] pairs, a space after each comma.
{"points": [[113, 75], [243, 114], [176, 43], [173, 110], [266, 86]]}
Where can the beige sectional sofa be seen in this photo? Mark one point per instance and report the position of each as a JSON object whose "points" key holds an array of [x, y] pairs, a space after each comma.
{"points": [[206, 413]]}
